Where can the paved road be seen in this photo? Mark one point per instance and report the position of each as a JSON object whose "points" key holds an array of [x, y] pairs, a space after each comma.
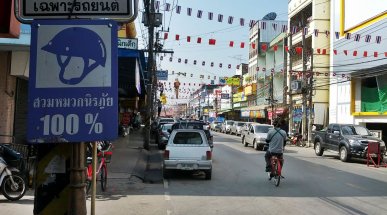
{"points": [[313, 185], [239, 185]]}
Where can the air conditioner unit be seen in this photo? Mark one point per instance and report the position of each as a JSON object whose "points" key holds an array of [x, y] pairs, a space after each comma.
{"points": [[295, 85]]}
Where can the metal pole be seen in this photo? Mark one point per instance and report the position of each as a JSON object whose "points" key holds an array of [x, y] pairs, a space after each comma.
{"points": [[304, 92], [77, 203], [310, 116], [290, 82], [149, 7], [93, 181]]}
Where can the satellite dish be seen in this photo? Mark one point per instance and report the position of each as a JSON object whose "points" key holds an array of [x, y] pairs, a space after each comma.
{"points": [[270, 16]]}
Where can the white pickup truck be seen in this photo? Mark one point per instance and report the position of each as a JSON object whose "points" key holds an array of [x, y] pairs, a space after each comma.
{"points": [[188, 150]]}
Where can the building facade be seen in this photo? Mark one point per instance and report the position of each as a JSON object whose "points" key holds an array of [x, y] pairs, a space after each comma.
{"points": [[358, 85]]}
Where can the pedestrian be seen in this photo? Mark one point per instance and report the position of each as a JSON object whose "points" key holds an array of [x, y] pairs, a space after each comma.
{"points": [[159, 107]]}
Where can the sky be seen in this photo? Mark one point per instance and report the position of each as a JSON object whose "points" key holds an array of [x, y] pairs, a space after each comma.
{"points": [[223, 33]]}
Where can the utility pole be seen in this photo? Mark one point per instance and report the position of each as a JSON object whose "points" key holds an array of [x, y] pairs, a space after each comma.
{"points": [[311, 113], [290, 82], [303, 85], [149, 10]]}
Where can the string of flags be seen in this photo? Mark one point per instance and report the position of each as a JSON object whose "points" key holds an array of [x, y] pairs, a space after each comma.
{"points": [[263, 24]]}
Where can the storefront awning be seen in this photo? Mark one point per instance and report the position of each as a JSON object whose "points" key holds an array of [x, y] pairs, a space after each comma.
{"points": [[131, 66]]}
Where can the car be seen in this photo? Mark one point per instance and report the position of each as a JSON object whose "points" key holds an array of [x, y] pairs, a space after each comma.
{"points": [[347, 140], [156, 124], [256, 135], [214, 124], [188, 150], [236, 128], [245, 128], [194, 124], [226, 126], [163, 135]]}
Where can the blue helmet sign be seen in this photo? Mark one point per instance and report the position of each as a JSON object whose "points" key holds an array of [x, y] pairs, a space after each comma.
{"points": [[73, 81]]}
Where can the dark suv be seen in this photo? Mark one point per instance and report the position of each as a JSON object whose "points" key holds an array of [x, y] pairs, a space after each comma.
{"points": [[195, 125]]}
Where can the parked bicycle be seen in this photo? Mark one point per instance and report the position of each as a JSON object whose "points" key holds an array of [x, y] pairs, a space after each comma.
{"points": [[104, 155], [276, 170]]}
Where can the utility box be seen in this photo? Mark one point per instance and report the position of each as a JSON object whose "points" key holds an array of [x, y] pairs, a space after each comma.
{"points": [[9, 26], [156, 17]]}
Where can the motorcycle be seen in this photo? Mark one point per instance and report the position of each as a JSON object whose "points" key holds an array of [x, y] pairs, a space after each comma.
{"points": [[124, 130], [296, 140], [12, 184]]}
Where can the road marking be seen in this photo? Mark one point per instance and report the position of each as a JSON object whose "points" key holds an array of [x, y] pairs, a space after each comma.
{"points": [[165, 184], [355, 186], [167, 196]]}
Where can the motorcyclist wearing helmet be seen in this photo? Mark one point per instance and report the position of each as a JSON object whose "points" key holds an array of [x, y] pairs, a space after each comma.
{"points": [[275, 138]]}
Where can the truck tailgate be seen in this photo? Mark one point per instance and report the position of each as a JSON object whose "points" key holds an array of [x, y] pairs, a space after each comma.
{"points": [[188, 152]]}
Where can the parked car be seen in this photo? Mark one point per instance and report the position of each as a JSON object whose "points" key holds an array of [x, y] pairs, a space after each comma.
{"points": [[188, 150], [218, 127], [256, 135], [226, 126], [195, 125], [236, 128], [163, 135], [157, 122], [214, 124], [346, 139], [245, 128]]}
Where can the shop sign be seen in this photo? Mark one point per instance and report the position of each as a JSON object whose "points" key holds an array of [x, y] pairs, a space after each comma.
{"points": [[237, 105], [225, 96], [124, 43], [245, 113], [248, 90]]}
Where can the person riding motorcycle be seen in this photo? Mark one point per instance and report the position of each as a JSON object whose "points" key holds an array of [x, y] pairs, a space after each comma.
{"points": [[276, 139]]}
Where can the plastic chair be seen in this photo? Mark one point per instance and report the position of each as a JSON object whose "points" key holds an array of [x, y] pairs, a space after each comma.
{"points": [[374, 148]]}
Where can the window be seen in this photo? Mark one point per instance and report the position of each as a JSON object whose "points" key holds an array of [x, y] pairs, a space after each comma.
{"points": [[252, 129], [335, 128], [189, 138], [262, 128]]}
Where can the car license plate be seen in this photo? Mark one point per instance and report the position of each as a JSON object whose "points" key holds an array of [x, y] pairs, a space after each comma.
{"points": [[187, 166]]}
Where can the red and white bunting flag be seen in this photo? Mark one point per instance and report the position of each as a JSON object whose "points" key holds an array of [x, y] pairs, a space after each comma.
{"points": [[368, 38], [294, 29], [365, 54], [264, 47], [275, 48], [194, 62], [378, 39], [354, 53], [252, 23], [231, 44], [253, 45], [299, 50], [335, 51], [185, 61], [179, 60], [327, 33], [212, 64], [284, 28], [203, 63], [286, 48], [189, 39], [220, 65], [157, 5], [199, 40], [220, 18], [316, 32], [229, 66], [242, 45], [191, 77], [357, 37], [242, 21], [200, 13], [305, 31], [337, 34], [161, 57], [348, 36], [211, 41], [346, 52], [167, 7], [177, 37], [263, 25], [189, 11], [178, 9], [170, 60], [230, 20], [210, 15], [385, 54], [275, 25], [324, 51], [376, 54], [318, 51], [165, 35]]}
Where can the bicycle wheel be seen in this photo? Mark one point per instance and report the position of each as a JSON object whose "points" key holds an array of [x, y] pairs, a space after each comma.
{"points": [[103, 175], [277, 174]]}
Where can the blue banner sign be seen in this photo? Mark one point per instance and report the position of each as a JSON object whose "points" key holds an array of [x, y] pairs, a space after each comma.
{"points": [[73, 81], [162, 75]]}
